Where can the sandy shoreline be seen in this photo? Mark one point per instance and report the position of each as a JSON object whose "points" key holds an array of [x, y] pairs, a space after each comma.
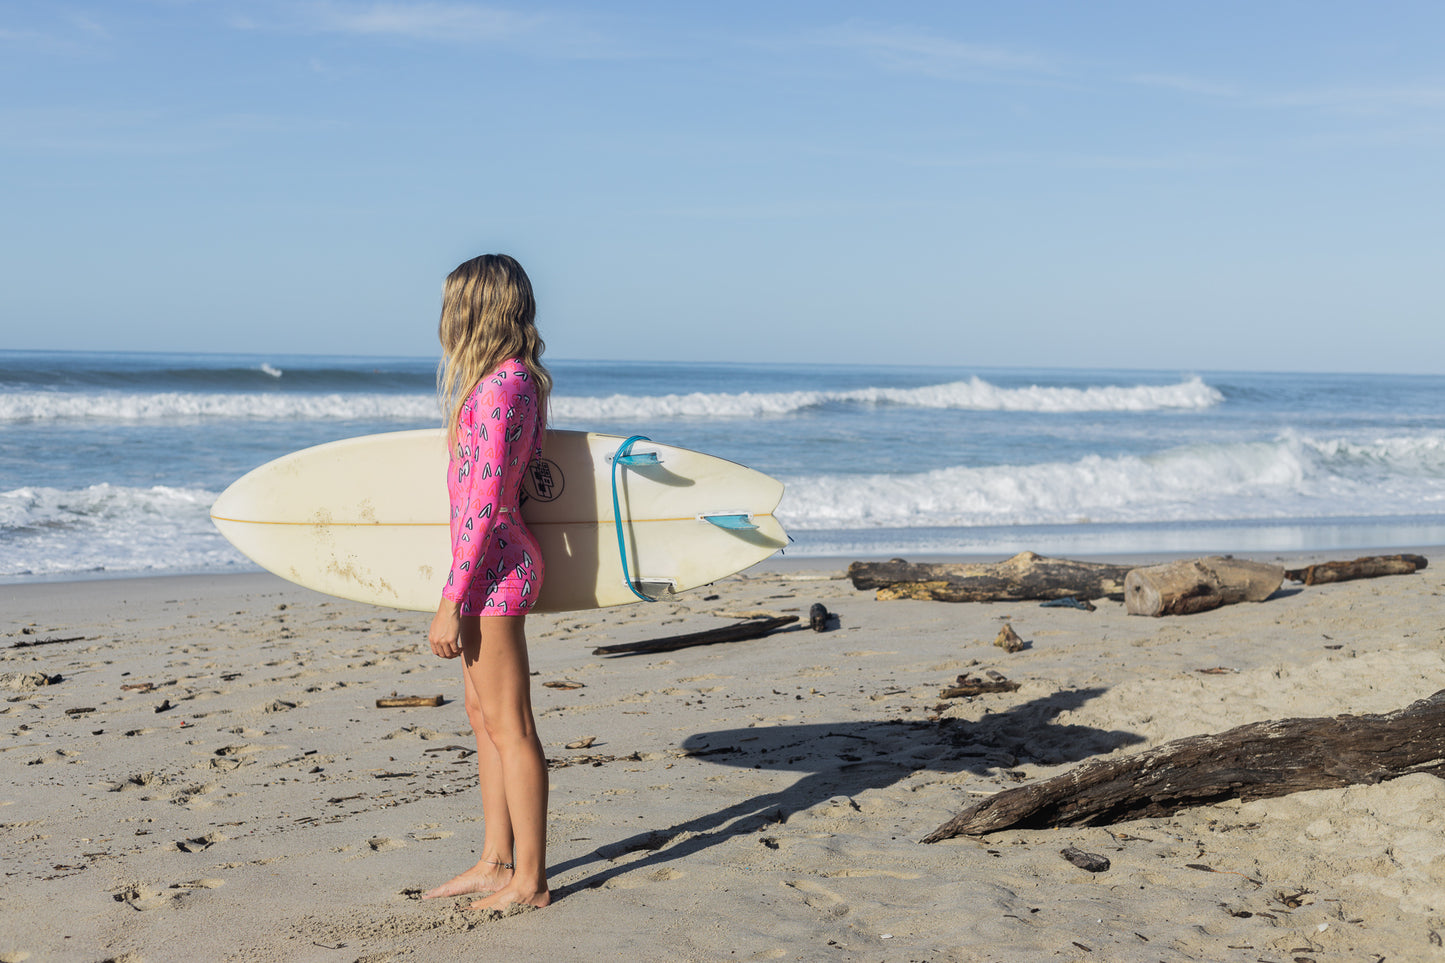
{"points": [[209, 779]]}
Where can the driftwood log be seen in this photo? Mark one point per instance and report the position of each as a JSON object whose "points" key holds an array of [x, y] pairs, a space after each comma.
{"points": [[751, 629], [1255, 761], [1023, 577], [1184, 587], [1371, 566]]}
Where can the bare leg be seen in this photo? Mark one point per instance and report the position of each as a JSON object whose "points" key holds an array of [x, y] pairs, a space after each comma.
{"points": [[493, 871], [498, 670]]}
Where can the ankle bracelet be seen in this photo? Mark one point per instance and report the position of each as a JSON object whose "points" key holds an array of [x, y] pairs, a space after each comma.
{"points": [[498, 862]]}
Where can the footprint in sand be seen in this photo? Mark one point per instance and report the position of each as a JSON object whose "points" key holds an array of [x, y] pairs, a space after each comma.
{"points": [[890, 873], [139, 896], [199, 843], [820, 897], [381, 844], [207, 883]]}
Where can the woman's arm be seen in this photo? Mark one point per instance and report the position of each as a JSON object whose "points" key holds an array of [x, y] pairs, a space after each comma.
{"points": [[476, 488]]}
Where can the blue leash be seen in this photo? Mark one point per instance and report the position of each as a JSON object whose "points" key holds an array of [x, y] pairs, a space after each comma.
{"points": [[624, 456]]}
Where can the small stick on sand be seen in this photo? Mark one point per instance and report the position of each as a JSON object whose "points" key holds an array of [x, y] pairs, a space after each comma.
{"points": [[26, 643], [408, 702], [751, 629]]}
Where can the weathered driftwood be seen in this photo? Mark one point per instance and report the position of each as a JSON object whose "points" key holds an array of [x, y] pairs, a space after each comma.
{"points": [[1025, 576], [1370, 566], [1009, 640], [1184, 587], [395, 701], [751, 629], [1255, 761], [969, 686]]}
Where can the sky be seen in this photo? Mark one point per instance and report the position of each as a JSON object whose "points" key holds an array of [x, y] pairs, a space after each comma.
{"points": [[1193, 185]]}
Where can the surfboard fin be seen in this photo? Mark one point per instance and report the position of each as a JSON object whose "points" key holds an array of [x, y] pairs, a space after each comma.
{"points": [[638, 458], [654, 588], [732, 521]]}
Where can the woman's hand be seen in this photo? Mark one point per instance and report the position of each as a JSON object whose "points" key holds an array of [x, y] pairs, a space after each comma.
{"points": [[446, 630]]}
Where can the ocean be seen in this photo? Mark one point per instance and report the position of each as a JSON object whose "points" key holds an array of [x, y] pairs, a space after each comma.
{"points": [[109, 462]]}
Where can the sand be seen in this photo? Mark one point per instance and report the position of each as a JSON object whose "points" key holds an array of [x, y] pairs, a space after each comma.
{"points": [[200, 773]]}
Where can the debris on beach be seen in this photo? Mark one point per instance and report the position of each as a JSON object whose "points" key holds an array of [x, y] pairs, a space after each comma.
{"points": [[1369, 566], [1009, 640], [1198, 585], [1255, 761], [1025, 577], [1091, 862], [1070, 602], [395, 701], [967, 685], [750, 629]]}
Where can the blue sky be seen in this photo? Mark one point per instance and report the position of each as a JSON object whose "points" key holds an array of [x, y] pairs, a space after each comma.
{"points": [[1185, 185]]}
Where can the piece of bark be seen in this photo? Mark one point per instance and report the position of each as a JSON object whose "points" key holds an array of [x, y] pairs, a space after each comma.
{"points": [[1370, 566], [1255, 761], [1092, 862], [1185, 587], [1009, 640], [751, 629], [408, 702], [1025, 576], [969, 686]]}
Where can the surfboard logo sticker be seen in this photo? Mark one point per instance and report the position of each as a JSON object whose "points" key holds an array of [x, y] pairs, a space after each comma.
{"points": [[544, 480]]}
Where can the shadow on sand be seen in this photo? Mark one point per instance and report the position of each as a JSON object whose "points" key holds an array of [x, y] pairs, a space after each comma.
{"points": [[845, 759]]}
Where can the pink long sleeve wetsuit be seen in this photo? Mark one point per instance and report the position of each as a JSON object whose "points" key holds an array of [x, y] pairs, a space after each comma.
{"points": [[497, 568]]}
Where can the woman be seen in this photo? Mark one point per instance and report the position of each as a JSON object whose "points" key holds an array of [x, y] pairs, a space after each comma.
{"points": [[495, 391]]}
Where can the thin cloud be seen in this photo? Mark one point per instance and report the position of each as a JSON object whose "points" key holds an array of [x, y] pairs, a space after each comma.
{"points": [[453, 22], [910, 50], [437, 22], [71, 34], [1364, 99], [1353, 100]]}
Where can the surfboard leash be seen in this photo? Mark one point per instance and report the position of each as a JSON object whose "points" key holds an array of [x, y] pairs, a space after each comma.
{"points": [[624, 456]]}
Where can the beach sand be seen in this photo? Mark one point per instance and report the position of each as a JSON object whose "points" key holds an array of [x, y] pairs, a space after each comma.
{"points": [[199, 772]]}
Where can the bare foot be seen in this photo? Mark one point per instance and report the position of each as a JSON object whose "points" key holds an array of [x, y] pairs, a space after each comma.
{"points": [[485, 877], [514, 894]]}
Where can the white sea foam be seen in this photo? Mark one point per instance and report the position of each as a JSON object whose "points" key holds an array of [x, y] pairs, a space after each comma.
{"points": [[110, 528], [974, 394], [271, 370], [51, 531], [180, 406], [1289, 477]]}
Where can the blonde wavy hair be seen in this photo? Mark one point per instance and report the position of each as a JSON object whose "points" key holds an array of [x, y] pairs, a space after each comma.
{"points": [[488, 316]]}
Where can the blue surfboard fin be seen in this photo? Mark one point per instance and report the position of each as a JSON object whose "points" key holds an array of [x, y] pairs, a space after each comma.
{"points": [[732, 521], [637, 458]]}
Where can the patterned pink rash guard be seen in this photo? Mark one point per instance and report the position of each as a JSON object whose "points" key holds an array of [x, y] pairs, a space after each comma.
{"points": [[497, 568]]}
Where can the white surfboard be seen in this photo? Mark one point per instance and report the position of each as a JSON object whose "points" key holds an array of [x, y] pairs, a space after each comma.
{"points": [[367, 519]]}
